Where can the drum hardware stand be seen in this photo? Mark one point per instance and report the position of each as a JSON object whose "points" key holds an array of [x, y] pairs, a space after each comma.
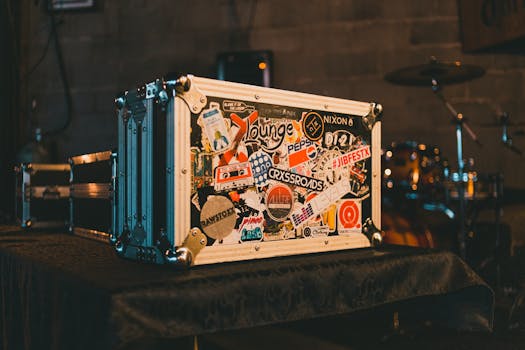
{"points": [[461, 125], [498, 212], [507, 141]]}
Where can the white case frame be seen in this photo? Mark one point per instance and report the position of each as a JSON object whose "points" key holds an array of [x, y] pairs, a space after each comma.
{"points": [[179, 185]]}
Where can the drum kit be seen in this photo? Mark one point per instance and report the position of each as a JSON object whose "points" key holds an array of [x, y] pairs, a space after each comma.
{"points": [[418, 183]]}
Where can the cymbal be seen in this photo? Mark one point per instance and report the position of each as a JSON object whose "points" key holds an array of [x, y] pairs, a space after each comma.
{"points": [[443, 72]]}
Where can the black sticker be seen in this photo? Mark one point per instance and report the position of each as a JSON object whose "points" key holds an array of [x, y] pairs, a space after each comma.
{"points": [[295, 179], [313, 126]]}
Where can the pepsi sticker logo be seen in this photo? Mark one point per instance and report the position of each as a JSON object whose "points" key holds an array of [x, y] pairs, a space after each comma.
{"points": [[279, 202], [349, 216], [301, 152]]}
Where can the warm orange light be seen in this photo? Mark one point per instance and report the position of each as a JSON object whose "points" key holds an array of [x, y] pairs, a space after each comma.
{"points": [[262, 65]]}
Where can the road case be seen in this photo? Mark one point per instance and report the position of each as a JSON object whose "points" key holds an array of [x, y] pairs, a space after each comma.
{"points": [[92, 195], [213, 171], [42, 194]]}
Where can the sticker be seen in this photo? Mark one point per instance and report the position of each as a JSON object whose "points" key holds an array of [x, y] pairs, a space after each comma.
{"points": [[316, 231], [351, 157], [243, 125], [349, 216], [295, 179], [333, 119], [320, 202], [252, 199], [329, 217], [339, 139], [269, 134], [297, 132], [357, 174], [313, 126], [218, 217], [195, 201], [202, 174], [251, 228], [236, 106], [278, 112], [301, 152], [275, 236], [279, 202], [215, 128], [260, 163], [236, 176], [303, 170], [324, 167]]}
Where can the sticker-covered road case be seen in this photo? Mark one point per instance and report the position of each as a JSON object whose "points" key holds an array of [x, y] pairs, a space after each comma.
{"points": [[213, 171], [92, 195], [42, 195]]}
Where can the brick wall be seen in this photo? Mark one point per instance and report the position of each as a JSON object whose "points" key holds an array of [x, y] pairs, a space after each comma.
{"points": [[340, 48]]}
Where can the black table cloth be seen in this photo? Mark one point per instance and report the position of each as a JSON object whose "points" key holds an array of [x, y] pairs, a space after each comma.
{"points": [[63, 292]]}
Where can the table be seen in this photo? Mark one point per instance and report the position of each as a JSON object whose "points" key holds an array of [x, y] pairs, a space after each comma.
{"points": [[59, 291]]}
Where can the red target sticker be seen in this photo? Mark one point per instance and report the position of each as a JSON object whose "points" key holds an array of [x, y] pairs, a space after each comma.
{"points": [[349, 216]]}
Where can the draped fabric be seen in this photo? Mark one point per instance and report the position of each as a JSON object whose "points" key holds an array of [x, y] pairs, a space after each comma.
{"points": [[64, 292]]}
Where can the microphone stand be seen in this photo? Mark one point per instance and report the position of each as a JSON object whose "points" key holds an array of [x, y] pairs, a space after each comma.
{"points": [[461, 125]]}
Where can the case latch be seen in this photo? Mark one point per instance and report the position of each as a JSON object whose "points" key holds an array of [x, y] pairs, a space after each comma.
{"points": [[186, 90], [374, 115]]}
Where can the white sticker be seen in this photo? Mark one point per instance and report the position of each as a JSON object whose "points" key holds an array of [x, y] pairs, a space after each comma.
{"points": [[352, 157], [215, 128], [349, 216], [320, 202], [233, 176]]}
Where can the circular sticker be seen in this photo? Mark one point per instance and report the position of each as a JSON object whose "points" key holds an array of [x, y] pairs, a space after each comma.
{"points": [[313, 126], [279, 202], [218, 217], [349, 215], [325, 169]]}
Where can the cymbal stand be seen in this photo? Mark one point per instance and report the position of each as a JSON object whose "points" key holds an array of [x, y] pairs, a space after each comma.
{"points": [[460, 126], [507, 141]]}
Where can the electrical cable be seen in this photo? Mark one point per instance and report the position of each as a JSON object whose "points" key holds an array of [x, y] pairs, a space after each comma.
{"points": [[42, 56]]}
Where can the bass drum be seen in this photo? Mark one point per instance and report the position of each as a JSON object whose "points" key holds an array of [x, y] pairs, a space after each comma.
{"points": [[398, 230], [412, 170], [424, 229]]}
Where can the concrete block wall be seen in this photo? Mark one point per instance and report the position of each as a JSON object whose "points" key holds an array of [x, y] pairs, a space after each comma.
{"points": [[340, 48]]}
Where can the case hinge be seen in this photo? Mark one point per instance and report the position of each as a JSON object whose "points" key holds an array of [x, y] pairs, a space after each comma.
{"points": [[373, 116], [189, 92], [191, 247], [372, 232]]}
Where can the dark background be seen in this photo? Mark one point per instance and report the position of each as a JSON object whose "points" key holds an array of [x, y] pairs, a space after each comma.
{"points": [[339, 48]]}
